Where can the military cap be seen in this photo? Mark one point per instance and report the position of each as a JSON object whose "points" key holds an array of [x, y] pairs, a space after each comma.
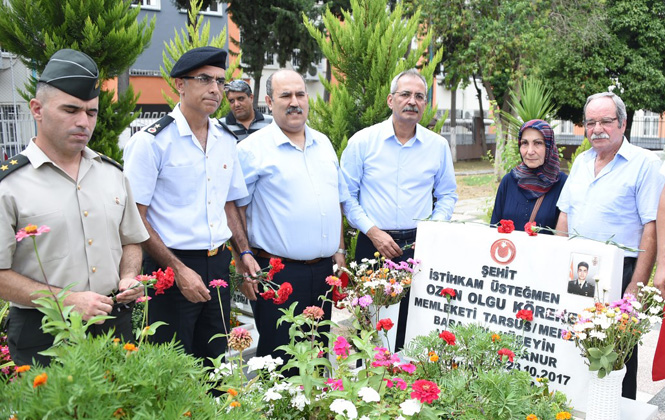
{"points": [[74, 73], [199, 57]]}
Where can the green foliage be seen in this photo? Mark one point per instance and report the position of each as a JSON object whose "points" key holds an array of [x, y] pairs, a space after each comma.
{"points": [[586, 145], [613, 43], [365, 52], [106, 30], [98, 378], [193, 36]]}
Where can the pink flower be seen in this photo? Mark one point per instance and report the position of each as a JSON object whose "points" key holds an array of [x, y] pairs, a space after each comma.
{"points": [[425, 391], [408, 368], [218, 283], [341, 347], [335, 384], [365, 301], [389, 383], [240, 339], [334, 281], [506, 352], [31, 230], [313, 312], [144, 278], [400, 383], [143, 299]]}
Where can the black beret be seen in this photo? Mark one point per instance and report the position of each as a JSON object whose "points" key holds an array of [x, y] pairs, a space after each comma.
{"points": [[74, 73], [199, 57]]}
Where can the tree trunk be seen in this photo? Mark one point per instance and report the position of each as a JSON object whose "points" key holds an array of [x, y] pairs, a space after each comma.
{"points": [[257, 87], [629, 124], [326, 93], [479, 94], [453, 122], [123, 82]]}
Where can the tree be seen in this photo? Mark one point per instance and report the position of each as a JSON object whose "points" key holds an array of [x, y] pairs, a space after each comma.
{"points": [[616, 44], [274, 27], [106, 30], [365, 52], [195, 35], [192, 19], [495, 42]]}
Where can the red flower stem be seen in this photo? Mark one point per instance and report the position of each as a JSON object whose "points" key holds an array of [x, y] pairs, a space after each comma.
{"points": [[41, 267]]}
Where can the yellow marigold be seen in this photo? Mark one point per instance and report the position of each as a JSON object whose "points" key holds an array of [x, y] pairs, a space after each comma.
{"points": [[129, 347], [232, 392], [119, 413], [496, 337], [187, 414], [39, 380], [433, 357], [563, 415], [406, 281], [116, 340], [531, 417], [235, 404], [21, 369]]}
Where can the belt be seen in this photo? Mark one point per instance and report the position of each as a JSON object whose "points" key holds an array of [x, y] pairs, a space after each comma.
{"points": [[264, 254], [196, 252], [402, 234]]}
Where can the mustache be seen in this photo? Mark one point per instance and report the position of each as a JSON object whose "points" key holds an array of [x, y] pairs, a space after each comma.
{"points": [[599, 136], [409, 108], [294, 109]]}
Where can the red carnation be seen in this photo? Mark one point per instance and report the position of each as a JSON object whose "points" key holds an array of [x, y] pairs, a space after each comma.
{"points": [[285, 290], [337, 296], [448, 293], [531, 229], [524, 314], [275, 267], [506, 226], [448, 337], [506, 352], [164, 280], [268, 294], [425, 391], [384, 324]]}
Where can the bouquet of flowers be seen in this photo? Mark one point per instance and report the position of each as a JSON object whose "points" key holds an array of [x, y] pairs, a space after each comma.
{"points": [[607, 333], [374, 284]]}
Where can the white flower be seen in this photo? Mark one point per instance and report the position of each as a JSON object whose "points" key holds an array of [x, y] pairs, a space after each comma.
{"points": [[636, 305], [369, 394], [272, 395], [598, 334], [654, 319], [410, 407], [224, 369], [658, 298], [364, 418], [581, 336], [340, 406], [299, 401], [265, 362], [654, 310], [400, 418], [353, 265]]}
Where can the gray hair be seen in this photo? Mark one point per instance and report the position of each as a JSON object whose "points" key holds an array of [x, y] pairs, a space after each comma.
{"points": [[618, 103], [409, 72], [269, 90], [43, 91]]}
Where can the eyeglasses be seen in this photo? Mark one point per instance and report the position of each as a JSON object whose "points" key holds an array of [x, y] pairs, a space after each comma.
{"points": [[605, 123], [406, 95], [205, 80]]}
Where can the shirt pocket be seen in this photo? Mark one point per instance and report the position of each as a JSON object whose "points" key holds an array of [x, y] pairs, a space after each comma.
{"points": [[114, 214], [179, 183], [53, 245]]}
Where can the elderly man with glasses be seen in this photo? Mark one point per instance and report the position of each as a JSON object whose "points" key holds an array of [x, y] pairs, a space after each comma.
{"points": [[612, 192], [243, 119], [185, 172], [393, 170]]}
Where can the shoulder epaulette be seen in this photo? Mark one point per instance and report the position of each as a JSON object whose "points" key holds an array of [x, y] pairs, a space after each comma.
{"points": [[111, 161], [226, 128], [13, 163], [159, 125]]}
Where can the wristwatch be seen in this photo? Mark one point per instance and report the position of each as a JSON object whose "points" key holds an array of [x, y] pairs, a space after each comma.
{"points": [[341, 251]]}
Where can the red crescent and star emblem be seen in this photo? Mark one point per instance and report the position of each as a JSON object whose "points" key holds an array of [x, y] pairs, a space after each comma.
{"points": [[503, 251]]}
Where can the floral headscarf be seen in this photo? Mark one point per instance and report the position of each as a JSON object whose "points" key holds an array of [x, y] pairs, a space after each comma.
{"points": [[538, 181]]}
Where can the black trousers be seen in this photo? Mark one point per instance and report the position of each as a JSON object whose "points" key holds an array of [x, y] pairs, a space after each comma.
{"points": [[365, 249], [309, 284], [193, 324], [26, 339], [629, 386]]}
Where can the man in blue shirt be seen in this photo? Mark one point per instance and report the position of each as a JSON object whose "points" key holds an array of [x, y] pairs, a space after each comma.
{"points": [[293, 209], [612, 192], [392, 170], [185, 171]]}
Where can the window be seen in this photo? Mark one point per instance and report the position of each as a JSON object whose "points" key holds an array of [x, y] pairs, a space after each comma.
{"points": [[563, 127], [148, 4], [215, 8], [650, 124], [8, 130]]}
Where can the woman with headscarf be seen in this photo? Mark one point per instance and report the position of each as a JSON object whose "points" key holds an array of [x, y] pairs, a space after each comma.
{"points": [[530, 191]]}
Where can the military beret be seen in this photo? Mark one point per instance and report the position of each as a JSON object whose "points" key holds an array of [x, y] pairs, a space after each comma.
{"points": [[74, 73], [199, 57]]}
